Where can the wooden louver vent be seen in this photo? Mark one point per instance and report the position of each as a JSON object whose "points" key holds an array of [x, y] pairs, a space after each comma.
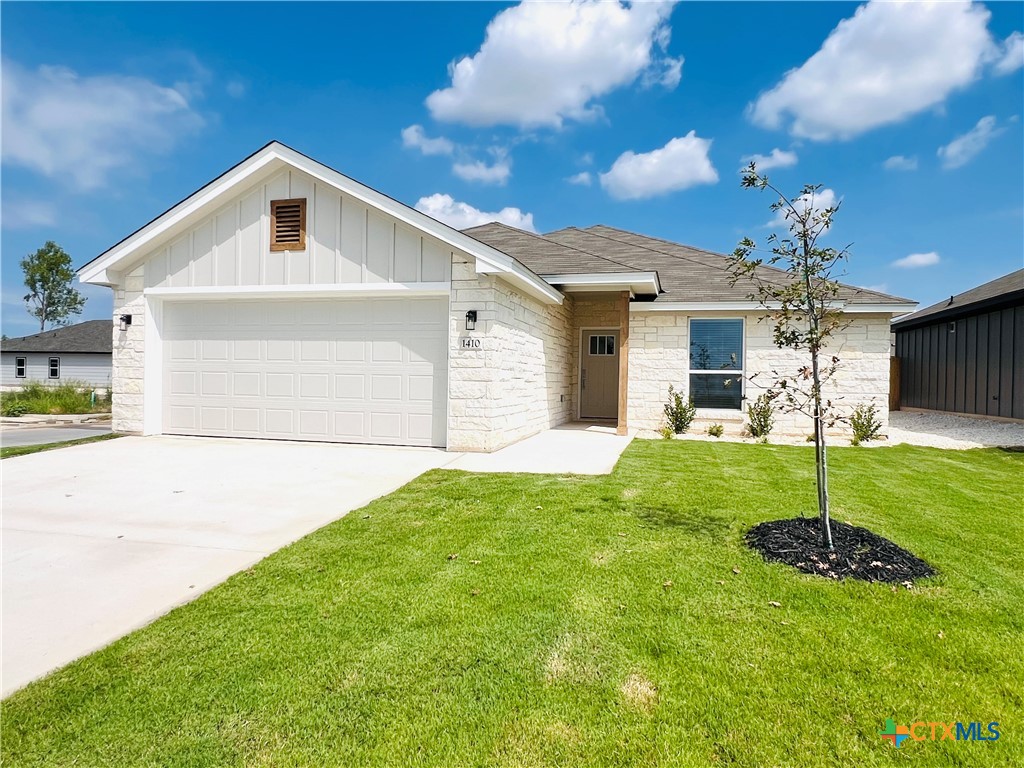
{"points": [[288, 225]]}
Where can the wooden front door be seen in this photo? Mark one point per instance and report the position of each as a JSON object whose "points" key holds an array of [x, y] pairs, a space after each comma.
{"points": [[599, 375]]}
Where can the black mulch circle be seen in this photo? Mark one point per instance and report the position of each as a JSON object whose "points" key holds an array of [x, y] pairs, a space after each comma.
{"points": [[858, 553]]}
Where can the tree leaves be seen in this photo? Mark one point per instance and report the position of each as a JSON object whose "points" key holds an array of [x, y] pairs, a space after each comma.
{"points": [[51, 298]]}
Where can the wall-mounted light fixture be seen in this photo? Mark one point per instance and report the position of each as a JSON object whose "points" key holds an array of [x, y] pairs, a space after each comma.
{"points": [[126, 320], [471, 320]]}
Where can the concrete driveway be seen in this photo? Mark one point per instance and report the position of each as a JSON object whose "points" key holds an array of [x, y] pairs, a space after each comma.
{"points": [[102, 538]]}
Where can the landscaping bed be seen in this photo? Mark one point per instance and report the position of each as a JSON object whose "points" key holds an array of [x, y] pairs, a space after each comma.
{"points": [[857, 553]]}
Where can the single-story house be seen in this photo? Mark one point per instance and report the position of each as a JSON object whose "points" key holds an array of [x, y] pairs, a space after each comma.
{"points": [[966, 354], [286, 300], [79, 353]]}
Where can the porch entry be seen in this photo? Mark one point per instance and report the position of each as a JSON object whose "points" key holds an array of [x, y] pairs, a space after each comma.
{"points": [[599, 374]]}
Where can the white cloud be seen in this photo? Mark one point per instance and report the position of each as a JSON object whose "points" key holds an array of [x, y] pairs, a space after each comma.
{"points": [[680, 164], [900, 163], [917, 260], [777, 158], [478, 170], [542, 63], [886, 63], [816, 202], [583, 179], [236, 89], [966, 147], [414, 137], [28, 214], [1012, 55], [463, 215], [81, 129]]}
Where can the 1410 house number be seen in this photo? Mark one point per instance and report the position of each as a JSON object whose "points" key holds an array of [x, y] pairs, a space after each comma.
{"points": [[469, 343]]}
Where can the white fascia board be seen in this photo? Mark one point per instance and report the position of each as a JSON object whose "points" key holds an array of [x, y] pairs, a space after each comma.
{"points": [[642, 283], [275, 154], [881, 309], [312, 291], [99, 270], [753, 306]]}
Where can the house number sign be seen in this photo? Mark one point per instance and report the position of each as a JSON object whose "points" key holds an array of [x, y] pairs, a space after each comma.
{"points": [[469, 343]]}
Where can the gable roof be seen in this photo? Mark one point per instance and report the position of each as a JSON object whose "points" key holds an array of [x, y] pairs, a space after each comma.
{"points": [[92, 336], [1005, 290], [262, 164], [687, 275]]}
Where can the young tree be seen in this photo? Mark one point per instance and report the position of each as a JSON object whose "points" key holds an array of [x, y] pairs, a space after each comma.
{"points": [[800, 300], [48, 274]]}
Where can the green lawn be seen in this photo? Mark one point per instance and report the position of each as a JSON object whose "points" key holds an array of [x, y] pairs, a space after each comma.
{"points": [[585, 621], [24, 450]]}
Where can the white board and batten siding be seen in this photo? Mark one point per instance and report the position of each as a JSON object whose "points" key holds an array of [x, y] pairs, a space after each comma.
{"points": [[88, 368], [347, 242]]}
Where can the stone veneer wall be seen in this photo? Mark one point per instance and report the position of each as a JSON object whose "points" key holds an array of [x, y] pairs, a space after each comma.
{"points": [[658, 356], [128, 354], [519, 381]]}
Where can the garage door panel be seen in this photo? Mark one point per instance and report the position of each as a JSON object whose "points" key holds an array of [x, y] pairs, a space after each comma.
{"points": [[280, 385], [309, 370]]}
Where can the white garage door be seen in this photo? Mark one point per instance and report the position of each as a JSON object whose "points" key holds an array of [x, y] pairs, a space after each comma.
{"points": [[338, 370]]}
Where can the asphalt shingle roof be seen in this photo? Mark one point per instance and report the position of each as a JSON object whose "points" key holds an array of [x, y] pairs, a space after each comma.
{"points": [[687, 274], [1008, 286], [94, 336]]}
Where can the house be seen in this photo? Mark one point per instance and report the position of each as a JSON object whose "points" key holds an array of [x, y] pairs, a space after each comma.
{"points": [[966, 354], [78, 353], [286, 300]]}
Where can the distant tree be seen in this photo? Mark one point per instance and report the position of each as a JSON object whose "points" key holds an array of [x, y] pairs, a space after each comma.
{"points": [[801, 303], [51, 298]]}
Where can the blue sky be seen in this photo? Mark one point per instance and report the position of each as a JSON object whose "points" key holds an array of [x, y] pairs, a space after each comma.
{"points": [[546, 116]]}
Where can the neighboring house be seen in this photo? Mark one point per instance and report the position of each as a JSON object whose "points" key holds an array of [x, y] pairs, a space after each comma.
{"points": [[966, 355], [79, 353], [285, 300]]}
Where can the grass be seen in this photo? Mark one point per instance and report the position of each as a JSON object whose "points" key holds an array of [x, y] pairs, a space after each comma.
{"points": [[8, 452], [67, 397], [615, 620]]}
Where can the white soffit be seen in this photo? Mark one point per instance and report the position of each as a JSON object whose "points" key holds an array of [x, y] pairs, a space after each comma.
{"points": [[637, 283], [753, 306]]}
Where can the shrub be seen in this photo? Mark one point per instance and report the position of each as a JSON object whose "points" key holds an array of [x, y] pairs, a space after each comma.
{"points": [[13, 408], [679, 414], [716, 430], [666, 432], [761, 415], [67, 397], [865, 423]]}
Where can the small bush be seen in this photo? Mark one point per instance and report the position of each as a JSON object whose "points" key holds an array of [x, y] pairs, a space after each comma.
{"points": [[679, 414], [716, 430], [666, 432], [761, 415], [10, 408], [865, 423]]}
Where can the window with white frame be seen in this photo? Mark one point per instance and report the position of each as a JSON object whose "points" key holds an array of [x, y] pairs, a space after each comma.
{"points": [[19, 367], [716, 363], [54, 367]]}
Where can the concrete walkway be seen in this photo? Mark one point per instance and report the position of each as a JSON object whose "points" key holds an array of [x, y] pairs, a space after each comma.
{"points": [[582, 449]]}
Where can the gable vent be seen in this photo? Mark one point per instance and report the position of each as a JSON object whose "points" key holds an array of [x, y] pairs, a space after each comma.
{"points": [[288, 225]]}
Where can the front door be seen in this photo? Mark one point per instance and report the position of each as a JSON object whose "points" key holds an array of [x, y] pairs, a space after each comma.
{"points": [[599, 375]]}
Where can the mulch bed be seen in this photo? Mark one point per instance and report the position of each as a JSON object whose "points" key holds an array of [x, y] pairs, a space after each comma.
{"points": [[858, 553]]}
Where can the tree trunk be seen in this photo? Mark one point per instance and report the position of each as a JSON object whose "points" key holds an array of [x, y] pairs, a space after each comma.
{"points": [[820, 457]]}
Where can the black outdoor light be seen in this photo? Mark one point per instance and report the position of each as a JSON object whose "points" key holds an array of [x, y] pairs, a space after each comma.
{"points": [[126, 320], [471, 320]]}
